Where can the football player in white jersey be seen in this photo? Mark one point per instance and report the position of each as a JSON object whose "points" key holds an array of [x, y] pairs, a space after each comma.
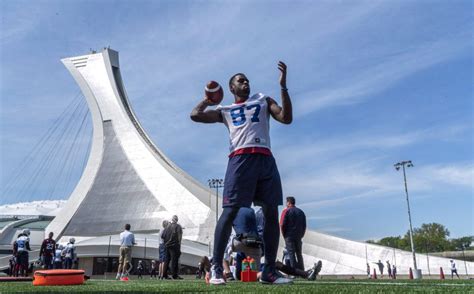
{"points": [[20, 250], [252, 174]]}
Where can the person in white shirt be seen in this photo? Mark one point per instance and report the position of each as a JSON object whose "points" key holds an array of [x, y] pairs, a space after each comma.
{"points": [[453, 269], [69, 253], [58, 257], [127, 240], [252, 175], [163, 258]]}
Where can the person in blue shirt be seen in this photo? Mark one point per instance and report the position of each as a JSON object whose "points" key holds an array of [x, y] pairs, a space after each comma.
{"points": [[247, 238], [21, 247], [247, 243]]}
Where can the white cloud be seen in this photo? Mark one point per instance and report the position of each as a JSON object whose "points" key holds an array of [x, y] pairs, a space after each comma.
{"points": [[318, 151], [341, 169], [342, 184], [362, 84], [451, 174]]}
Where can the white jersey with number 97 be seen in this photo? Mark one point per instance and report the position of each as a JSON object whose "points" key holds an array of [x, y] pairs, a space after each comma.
{"points": [[248, 123]]}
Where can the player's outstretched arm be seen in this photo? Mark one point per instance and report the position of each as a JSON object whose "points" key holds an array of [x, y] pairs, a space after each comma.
{"points": [[283, 113], [200, 114]]}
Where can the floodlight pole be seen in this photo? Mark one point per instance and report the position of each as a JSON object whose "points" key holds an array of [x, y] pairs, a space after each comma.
{"points": [[216, 183], [402, 164], [464, 258]]}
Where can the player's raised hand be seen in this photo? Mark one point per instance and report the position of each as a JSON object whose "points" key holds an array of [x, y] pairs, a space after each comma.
{"points": [[282, 68]]}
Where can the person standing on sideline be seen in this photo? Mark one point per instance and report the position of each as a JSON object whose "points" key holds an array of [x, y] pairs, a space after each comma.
{"points": [[153, 269], [58, 257], [252, 174], [127, 240], [293, 228], [163, 256], [172, 237], [394, 272], [389, 269], [368, 271], [20, 250], [140, 269], [47, 251], [381, 266], [69, 253], [453, 269]]}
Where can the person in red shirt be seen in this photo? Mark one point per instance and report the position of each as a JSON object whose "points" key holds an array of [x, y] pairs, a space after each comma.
{"points": [[47, 251]]}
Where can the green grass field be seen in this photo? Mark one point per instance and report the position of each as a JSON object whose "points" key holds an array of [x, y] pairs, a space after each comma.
{"points": [[300, 286]]}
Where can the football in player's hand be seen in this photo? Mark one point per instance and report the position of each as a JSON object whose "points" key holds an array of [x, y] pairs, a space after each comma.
{"points": [[214, 92]]}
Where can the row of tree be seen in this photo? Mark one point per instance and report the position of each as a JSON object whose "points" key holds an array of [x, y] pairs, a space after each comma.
{"points": [[432, 237]]}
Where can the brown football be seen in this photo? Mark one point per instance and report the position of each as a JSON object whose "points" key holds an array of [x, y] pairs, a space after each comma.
{"points": [[214, 92]]}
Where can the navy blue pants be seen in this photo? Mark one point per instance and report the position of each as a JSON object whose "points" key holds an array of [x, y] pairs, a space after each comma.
{"points": [[250, 178]]}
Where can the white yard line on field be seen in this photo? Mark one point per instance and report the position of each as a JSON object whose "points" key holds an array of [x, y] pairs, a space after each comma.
{"points": [[394, 283]]}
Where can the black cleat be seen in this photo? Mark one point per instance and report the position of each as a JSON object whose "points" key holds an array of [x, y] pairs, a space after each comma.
{"points": [[314, 271]]}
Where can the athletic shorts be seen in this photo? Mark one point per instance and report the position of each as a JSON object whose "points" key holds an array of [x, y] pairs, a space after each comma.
{"points": [[22, 258], [252, 178], [163, 253]]}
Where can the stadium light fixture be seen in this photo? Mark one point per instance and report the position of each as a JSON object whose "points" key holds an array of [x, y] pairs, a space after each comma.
{"points": [[216, 184], [402, 165]]}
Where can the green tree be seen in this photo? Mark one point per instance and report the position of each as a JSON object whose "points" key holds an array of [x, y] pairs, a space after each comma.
{"points": [[404, 243], [432, 237], [462, 243]]}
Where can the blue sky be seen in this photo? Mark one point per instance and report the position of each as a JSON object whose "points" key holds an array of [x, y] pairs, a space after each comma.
{"points": [[372, 83]]}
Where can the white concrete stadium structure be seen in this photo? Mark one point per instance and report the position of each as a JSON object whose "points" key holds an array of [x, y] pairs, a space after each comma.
{"points": [[127, 179]]}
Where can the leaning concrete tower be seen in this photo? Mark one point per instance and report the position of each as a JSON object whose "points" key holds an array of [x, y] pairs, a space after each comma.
{"points": [[127, 179]]}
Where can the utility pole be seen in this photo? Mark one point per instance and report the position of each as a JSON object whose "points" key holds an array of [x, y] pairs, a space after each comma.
{"points": [[397, 166]]}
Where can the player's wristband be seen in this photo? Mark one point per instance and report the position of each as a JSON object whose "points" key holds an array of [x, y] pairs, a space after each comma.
{"points": [[284, 89]]}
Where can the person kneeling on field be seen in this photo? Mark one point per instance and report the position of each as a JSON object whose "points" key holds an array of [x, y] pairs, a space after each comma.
{"points": [[247, 243]]}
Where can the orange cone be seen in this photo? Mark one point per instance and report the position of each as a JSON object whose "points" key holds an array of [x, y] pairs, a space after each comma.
{"points": [[374, 276], [441, 274], [410, 274]]}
